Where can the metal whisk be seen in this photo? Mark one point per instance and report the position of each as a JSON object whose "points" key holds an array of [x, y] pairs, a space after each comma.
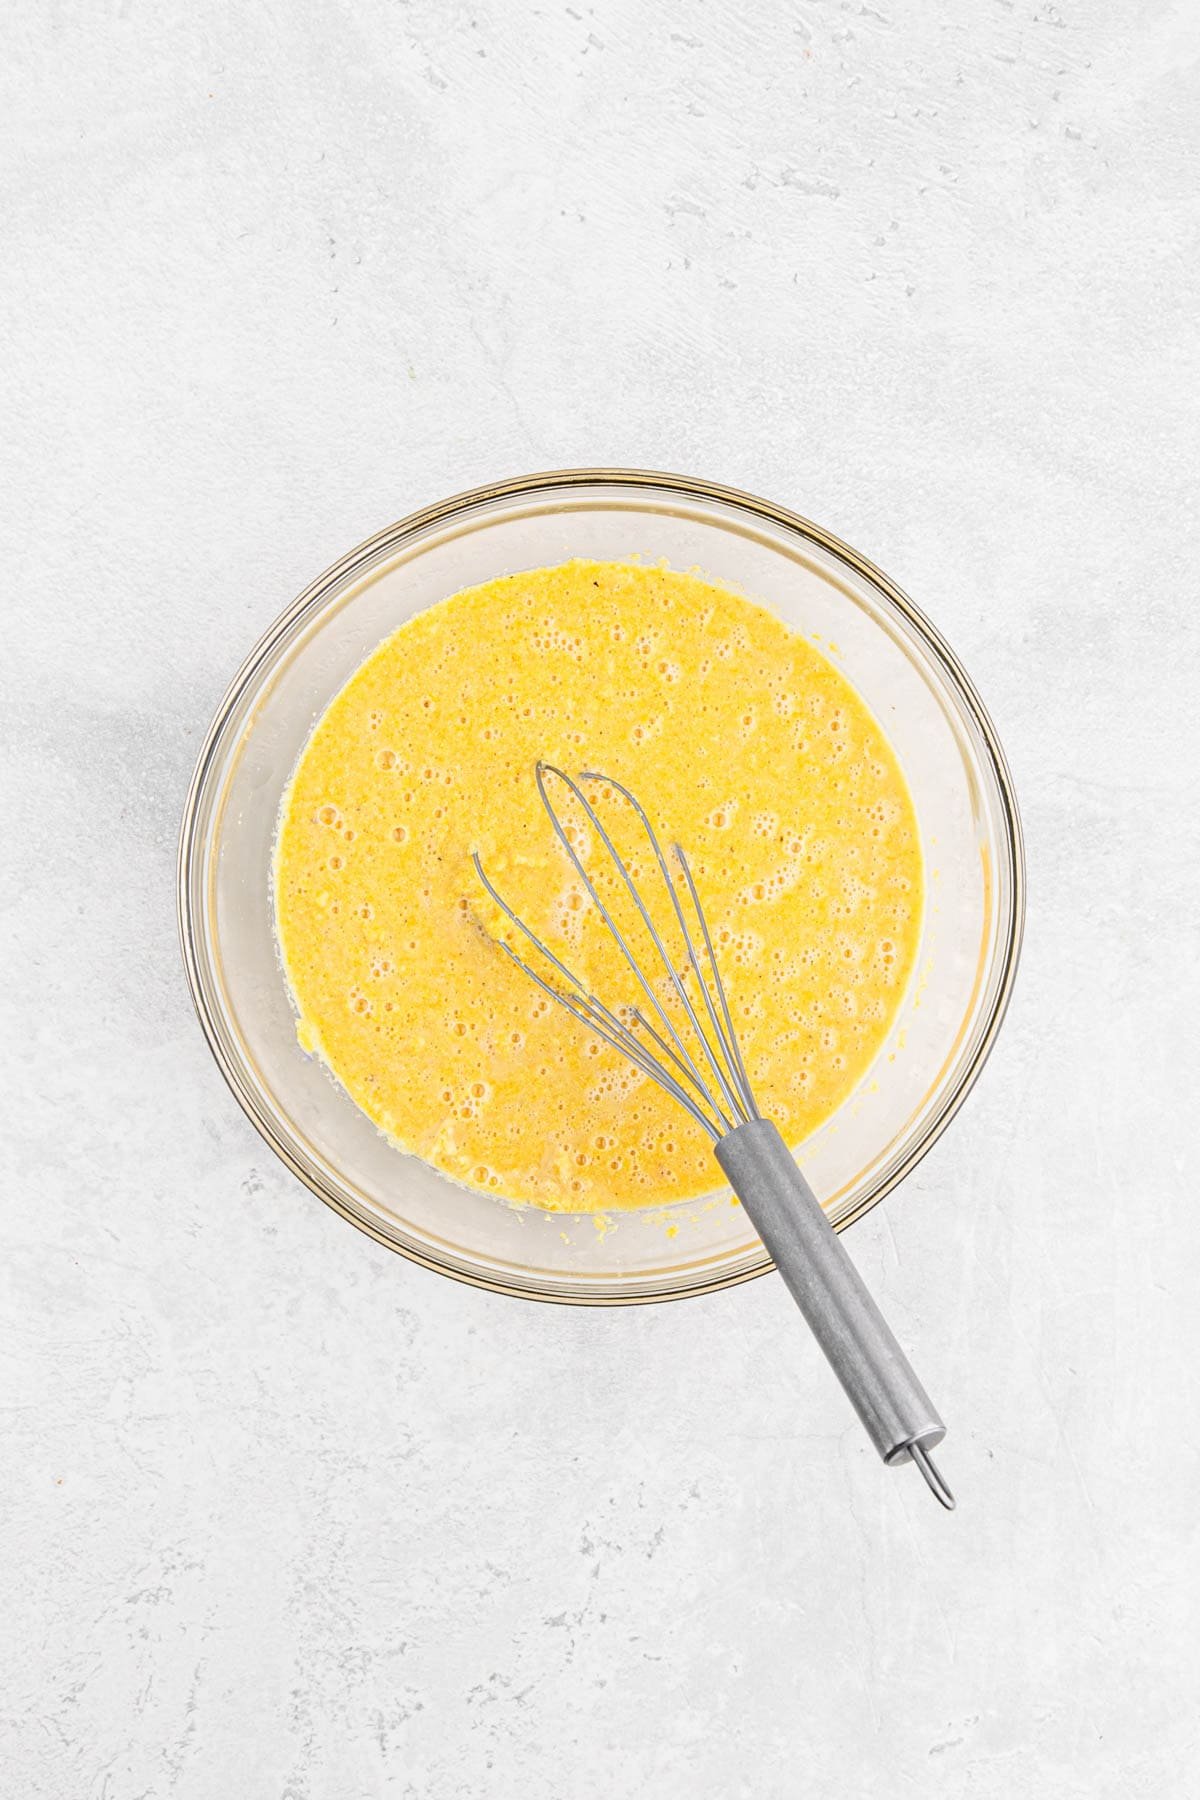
{"points": [[709, 1080]]}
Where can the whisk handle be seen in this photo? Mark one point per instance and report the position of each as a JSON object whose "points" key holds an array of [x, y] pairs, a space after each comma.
{"points": [[897, 1412]]}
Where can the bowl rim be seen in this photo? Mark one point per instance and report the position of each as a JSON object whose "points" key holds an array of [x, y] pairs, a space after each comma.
{"points": [[335, 577]]}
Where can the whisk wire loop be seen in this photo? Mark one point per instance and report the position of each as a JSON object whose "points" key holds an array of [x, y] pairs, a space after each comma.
{"points": [[542, 771], [737, 1092], [590, 1011], [719, 1102], [730, 1040]]}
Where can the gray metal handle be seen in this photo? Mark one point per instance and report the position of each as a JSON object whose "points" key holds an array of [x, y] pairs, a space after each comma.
{"points": [[897, 1412]]}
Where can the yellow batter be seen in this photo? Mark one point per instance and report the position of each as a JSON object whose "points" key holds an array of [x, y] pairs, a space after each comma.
{"points": [[740, 740]]}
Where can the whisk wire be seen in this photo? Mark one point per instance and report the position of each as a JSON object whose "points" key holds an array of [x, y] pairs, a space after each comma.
{"points": [[641, 1019], [737, 1092], [679, 1075], [590, 1011], [544, 769], [730, 1041]]}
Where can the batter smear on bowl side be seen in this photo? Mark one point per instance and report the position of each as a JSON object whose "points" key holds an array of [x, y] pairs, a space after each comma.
{"points": [[742, 742]]}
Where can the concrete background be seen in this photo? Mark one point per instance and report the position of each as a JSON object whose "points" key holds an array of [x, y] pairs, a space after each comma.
{"points": [[286, 1517]]}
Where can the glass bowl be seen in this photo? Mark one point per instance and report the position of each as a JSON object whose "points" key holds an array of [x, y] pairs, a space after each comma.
{"points": [[963, 794]]}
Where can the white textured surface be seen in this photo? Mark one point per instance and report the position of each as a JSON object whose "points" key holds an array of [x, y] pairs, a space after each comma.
{"points": [[287, 1517]]}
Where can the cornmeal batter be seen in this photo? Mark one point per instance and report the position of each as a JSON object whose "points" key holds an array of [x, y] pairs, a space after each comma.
{"points": [[741, 741]]}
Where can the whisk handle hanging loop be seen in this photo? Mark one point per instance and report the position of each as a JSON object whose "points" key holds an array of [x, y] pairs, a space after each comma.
{"points": [[893, 1406]]}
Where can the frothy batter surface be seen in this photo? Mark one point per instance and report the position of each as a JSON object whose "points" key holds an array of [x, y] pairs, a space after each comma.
{"points": [[741, 741]]}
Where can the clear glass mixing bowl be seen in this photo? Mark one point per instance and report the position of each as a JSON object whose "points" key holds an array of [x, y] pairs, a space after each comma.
{"points": [[893, 656]]}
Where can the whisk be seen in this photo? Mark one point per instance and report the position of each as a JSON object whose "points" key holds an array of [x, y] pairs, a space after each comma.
{"points": [[698, 1062]]}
